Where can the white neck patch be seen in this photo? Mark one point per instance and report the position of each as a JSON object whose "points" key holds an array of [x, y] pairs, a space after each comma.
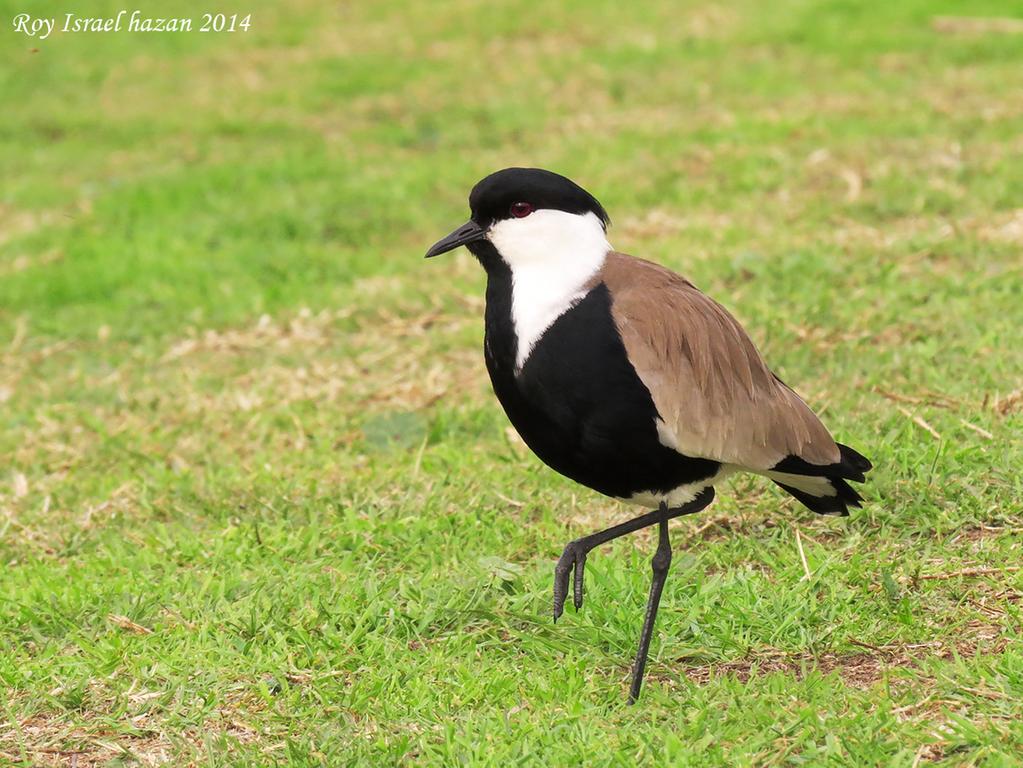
{"points": [[552, 254]]}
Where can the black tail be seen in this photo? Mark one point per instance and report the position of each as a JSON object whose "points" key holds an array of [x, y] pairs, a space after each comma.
{"points": [[823, 488]]}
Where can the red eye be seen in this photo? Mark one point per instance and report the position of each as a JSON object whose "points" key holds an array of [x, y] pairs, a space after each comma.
{"points": [[520, 210]]}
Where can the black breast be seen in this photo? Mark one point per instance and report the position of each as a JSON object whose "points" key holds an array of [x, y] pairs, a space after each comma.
{"points": [[578, 402]]}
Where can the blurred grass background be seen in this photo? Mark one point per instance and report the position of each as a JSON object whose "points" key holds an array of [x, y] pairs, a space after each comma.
{"points": [[258, 505]]}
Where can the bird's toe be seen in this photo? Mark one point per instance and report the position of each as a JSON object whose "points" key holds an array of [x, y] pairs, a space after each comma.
{"points": [[571, 564], [577, 592]]}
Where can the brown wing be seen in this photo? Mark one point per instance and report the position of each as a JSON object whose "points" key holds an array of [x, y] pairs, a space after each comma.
{"points": [[713, 391]]}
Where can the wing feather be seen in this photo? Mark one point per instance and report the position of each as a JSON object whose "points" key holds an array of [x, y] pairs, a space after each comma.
{"points": [[712, 389]]}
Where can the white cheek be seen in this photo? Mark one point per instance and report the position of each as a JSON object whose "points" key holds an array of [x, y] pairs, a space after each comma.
{"points": [[557, 238], [552, 254]]}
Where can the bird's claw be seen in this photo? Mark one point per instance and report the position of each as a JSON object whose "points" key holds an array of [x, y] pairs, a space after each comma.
{"points": [[572, 561]]}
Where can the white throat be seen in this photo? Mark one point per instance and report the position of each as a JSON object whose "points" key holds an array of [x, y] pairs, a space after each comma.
{"points": [[552, 254]]}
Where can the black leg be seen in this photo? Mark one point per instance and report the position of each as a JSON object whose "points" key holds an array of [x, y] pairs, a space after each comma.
{"points": [[573, 562], [659, 565], [573, 559]]}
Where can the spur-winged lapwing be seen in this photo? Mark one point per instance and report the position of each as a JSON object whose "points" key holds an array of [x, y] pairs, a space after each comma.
{"points": [[623, 376]]}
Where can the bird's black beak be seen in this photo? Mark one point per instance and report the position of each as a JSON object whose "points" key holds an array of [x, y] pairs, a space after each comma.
{"points": [[469, 232]]}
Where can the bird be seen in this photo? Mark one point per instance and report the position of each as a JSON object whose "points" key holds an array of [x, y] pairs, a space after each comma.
{"points": [[623, 376]]}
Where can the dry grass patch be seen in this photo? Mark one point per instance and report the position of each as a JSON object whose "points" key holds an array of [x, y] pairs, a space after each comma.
{"points": [[50, 742]]}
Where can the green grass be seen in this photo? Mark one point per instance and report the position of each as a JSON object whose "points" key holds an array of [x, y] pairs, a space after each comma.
{"points": [[258, 505]]}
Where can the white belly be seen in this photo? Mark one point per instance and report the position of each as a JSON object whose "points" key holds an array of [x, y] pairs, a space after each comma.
{"points": [[683, 494]]}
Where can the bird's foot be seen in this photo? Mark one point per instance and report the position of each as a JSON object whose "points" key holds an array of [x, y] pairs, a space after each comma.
{"points": [[572, 561]]}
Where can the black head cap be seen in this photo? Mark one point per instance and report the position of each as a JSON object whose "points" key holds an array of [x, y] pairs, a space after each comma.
{"points": [[492, 198]]}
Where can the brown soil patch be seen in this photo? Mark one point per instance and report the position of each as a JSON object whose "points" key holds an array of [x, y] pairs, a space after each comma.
{"points": [[858, 669], [983, 532]]}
